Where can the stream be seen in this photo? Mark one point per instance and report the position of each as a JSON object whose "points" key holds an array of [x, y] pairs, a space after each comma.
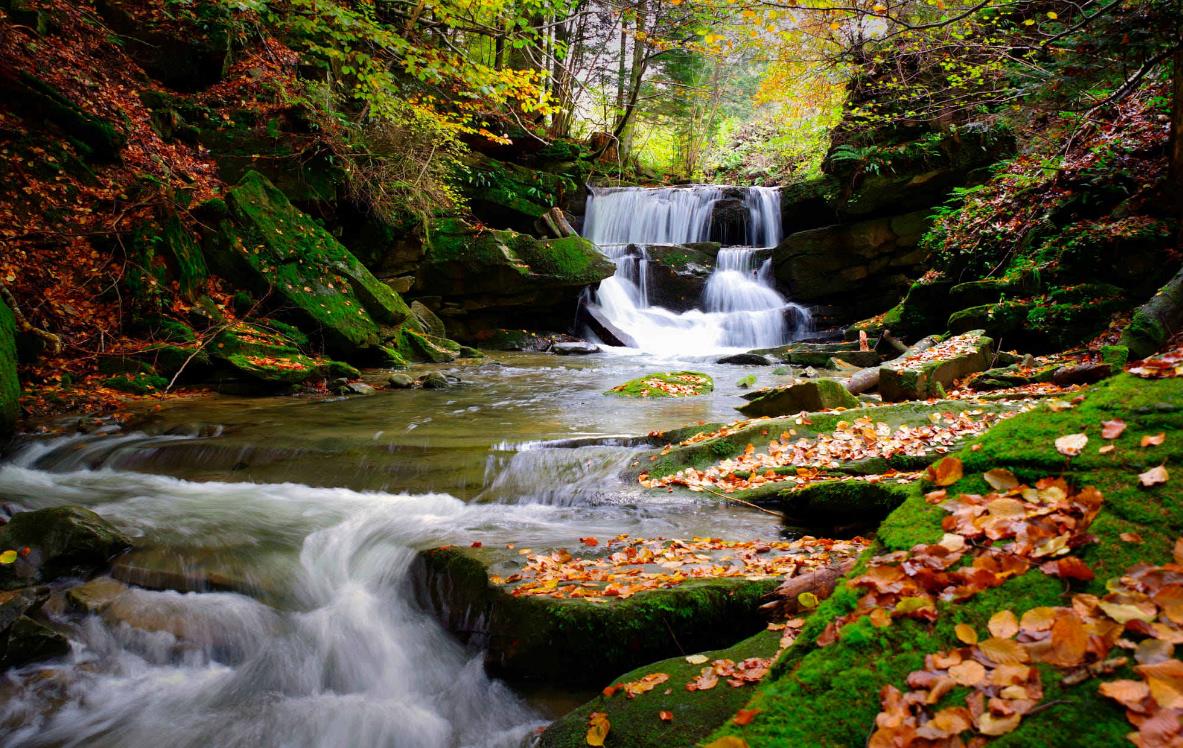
{"points": [[319, 507]]}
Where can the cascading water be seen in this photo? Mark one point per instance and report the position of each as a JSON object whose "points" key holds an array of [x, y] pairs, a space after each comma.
{"points": [[741, 308]]}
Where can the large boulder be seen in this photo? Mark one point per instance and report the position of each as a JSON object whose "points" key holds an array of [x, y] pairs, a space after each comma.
{"points": [[10, 388], [502, 279], [665, 384], [64, 541], [864, 267], [811, 396], [580, 640], [279, 251], [678, 275], [929, 373]]}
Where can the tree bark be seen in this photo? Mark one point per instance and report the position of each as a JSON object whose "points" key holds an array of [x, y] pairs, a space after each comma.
{"points": [[868, 379]]}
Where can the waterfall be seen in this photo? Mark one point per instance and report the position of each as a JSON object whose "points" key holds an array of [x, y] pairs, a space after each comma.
{"points": [[637, 215], [740, 309]]}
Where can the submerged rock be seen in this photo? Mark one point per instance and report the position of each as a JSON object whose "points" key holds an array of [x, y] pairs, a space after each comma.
{"points": [[434, 381], [579, 348], [745, 359], [64, 541], [665, 384], [400, 381], [814, 395]]}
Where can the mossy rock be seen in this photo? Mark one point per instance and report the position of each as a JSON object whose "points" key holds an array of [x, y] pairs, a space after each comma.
{"points": [[165, 251], [137, 383], [267, 354], [262, 238], [997, 320], [636, 722], [581, 641], [846, 504], [817, 355], [905, 381], [808, 396], [10, 388], [684, 384], [461, 260], [830, 696], [28, 641], [63, 541], [1012, 376]]}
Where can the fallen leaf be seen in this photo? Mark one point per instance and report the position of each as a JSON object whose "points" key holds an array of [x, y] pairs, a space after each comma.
{"points": [[1004, 651], [665, 716], [696, 659], [1071, 444], [1112, 429], [988, 724], [1133, 537], [1154, 476], [1153, 441], [1001, 479], [1129, 693], [968, 673], [1107, 449], [728, 741], [946, 472], [965, 633], [597, 728], [745, 716], [1003, 624], [8, 557]]}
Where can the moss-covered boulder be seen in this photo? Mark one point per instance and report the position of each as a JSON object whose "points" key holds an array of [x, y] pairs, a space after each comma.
{"points": [[817, 355], [498, 268], [813, 395], [678, 275], [268, 352], [927, 374], [62, 541], [582, 640], [10, 389], [830, 695], [665, 384], [997, 320], [280, 252], [1155, 321], [693, 715]]}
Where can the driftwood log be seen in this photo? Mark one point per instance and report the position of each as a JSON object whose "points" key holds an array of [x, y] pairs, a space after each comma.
{"points": [[783, 601]]}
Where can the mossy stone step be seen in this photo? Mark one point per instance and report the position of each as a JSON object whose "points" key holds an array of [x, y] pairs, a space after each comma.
{"points": [[808, 396], [923, 379], [582, 641], [665, 384]]}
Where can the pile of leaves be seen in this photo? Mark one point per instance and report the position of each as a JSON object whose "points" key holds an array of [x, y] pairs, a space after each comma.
{"points": [[1165, 365], [850, 441], [1143, 615], [628, 565], [958, 345], [988, 539]]}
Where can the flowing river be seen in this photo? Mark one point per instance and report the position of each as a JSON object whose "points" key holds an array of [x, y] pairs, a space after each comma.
{"points": [[312, 511]]}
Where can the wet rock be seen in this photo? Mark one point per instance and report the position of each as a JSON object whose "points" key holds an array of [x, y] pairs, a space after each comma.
{"points": [[356, 388], [933, 373], [30, 641], [678, 275], [65, 541], [745, 359], [591, 319], [96, 595], [580, 641], [818, 394], [434, 381], [514, 340], [808, 354], [580, 348], [428, 321], [729, 222], [1087, 373], [16, 603], [400, 381], [665, 384], [10, 389]]}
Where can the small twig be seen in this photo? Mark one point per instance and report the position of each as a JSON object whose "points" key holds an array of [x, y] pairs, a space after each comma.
{"points": [[741, 502]]}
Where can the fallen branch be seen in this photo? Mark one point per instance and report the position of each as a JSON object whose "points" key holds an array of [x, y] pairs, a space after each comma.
{"points": [[24, 325], [868, 379]]}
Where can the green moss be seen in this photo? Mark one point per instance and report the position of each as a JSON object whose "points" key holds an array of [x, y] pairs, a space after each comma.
{"points": [[584, 641], [141, 383], [635, 722], [10, 389], [829, 696], [643, 386]]}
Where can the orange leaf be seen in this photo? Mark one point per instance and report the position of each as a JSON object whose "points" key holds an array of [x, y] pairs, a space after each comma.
{"points": [[1003, 624], [1153, 441], [946, 472], [965, 633], [1001, 479], [1069, 641], [1129, 693], [1004, 651], [597, 728], [665, 716], [745, 716]]}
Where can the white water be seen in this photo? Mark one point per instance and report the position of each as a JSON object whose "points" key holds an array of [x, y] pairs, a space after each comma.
{"points": [[741, 308], [352, 663]]}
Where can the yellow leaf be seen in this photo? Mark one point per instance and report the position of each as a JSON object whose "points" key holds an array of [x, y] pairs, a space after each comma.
{"points": [[597, 730], [8, 557], [965, 633], [1052, 15], [728, 741]]}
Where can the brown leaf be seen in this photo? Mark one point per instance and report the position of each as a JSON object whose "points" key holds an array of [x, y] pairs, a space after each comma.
{"points": [[1154, 476], [1112, 429], [1004, 651], [665, 716], [1001, 479], [965, 633], [968, 673], [988, 724], [1128, 693], [1153, 441], [1069, 641], [946, 472], [1071, 444], [1166, 682], [1003, 624]]}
